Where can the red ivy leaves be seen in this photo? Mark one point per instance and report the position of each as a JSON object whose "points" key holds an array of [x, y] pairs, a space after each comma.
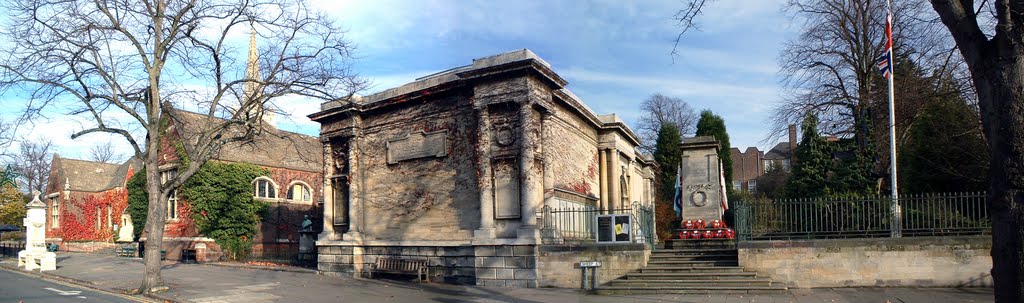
{"points": [[81, 226]]}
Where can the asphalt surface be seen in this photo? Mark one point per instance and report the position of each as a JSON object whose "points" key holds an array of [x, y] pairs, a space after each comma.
{"points": [[17, 287]]}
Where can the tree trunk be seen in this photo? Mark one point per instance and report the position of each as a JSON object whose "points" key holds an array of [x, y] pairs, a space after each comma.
{"points": [[997, 70], [1001, 92], [152, 281]]}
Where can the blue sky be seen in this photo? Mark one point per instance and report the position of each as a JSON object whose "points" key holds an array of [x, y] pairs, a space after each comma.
{"points": [[614, 54]]}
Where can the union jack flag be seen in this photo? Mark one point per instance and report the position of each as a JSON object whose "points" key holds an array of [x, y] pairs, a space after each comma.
{"points": [[884, 62]]}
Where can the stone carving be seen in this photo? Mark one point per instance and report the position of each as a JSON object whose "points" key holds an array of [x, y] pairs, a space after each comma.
{"points": [[418, 145], [339, 153], [504, 136]]}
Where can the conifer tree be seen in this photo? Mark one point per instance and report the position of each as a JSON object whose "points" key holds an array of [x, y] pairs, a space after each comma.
{"points": [[811, 166], [711, 124]]}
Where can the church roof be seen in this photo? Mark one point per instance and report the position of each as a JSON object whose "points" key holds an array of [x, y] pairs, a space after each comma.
{"points": [[90, 176], [270, 147]]}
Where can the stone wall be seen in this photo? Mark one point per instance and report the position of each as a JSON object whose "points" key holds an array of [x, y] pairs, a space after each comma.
{"points": [[492, 265], [905, 262], [431, 198], [559, 264]]}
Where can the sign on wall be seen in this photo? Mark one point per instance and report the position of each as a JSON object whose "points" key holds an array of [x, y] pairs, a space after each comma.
{"points": [[418, 145], [613, 229]]}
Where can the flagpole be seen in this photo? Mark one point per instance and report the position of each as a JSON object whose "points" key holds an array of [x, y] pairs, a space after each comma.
{"points": [[897, 230]]}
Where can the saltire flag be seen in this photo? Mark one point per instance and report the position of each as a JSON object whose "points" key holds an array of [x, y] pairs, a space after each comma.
{"points": [[677, 202], [884, 62], [721, 184]]}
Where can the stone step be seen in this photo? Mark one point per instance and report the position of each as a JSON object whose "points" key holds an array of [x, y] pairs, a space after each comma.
{"points": [[693, 251], [626, 290], [676, 263], [696, 283], [696, 258], [690, 276], [683, 269]]}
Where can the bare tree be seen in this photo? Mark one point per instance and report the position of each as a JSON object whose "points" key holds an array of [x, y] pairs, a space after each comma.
{"points": [[33, 163], [659, 109], [124, 66], [990, 38], [830, 67], [104, 152]]}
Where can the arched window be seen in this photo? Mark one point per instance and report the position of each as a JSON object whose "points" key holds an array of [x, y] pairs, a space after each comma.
{"points": [[298, 191], [265, 188]]}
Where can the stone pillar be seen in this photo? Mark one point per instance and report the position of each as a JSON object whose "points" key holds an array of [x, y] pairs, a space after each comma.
{"points": [[355, 189], [483, 169], [614, 172], [328, 192], [549, 174], [531, 191], [602, 163]]}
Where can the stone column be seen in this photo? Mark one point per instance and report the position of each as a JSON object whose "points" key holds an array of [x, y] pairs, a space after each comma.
{"points": [[483, 169], [531, 191], [549, 173], [614, 172], [602, 164], [328, 192], [355, 190]]}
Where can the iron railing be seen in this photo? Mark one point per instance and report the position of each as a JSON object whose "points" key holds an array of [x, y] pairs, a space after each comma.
{"points": [[577, 223], [935, 214], [11, 248]]}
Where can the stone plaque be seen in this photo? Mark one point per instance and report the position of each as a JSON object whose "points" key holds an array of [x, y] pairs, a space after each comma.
{"points": [[506, 189], [417, 145]]}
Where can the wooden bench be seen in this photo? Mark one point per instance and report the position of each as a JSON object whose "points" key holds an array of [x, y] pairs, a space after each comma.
{"points": [[401, 266]]}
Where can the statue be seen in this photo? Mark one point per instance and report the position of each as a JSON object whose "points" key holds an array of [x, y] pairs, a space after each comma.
{"points": [[35, 254], [307, 225]]}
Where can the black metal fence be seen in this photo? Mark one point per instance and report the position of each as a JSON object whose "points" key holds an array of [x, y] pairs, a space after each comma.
{"points": [[11, 248], [935, 214], [579, 223]]}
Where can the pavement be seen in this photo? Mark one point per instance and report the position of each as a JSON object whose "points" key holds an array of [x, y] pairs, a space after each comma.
{"points": [[232, 282]]}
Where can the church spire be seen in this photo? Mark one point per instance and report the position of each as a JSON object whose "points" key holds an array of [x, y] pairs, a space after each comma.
{"points": [[252, 72]]}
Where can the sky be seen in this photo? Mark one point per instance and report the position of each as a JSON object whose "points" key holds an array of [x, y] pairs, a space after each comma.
{"points": [[614, 54]]}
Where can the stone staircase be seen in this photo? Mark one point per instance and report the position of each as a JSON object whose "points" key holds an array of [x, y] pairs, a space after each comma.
{"points": [[693, 267]]}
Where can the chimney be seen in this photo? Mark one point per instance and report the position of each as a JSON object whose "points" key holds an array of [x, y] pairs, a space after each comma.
{"points": [[792, 140]]}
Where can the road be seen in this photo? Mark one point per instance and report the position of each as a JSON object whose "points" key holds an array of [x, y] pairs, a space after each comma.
{"points": [[15, 287]]}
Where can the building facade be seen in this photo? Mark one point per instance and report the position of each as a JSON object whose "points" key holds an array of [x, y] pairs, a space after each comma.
{"points": [[86, 201], [457, 168]]}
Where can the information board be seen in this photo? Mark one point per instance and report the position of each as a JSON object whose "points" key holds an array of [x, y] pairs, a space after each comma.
{"points": [[613, 228]]}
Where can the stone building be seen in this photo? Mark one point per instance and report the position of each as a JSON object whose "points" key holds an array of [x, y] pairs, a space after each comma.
{"points": [[457, 167]]}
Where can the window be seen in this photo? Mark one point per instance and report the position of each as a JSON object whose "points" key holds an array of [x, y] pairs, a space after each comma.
{"points": [[172, 199], [736, 185], [265, 188], [785, 164], [752, 186], [299, 192], [99, 218], [55, 212]]}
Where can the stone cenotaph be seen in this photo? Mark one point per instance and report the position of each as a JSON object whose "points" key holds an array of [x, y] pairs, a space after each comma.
{"points": [[35, 255], [701, 172]]}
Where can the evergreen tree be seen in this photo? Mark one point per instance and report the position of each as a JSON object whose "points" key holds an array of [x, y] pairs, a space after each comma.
{"points": [[667, 154], [946, 151], [813, 160], [711, 124]]}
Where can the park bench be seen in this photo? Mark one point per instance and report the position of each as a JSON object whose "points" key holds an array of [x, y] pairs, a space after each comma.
{"points": [[401, 266], [125, 251]]}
